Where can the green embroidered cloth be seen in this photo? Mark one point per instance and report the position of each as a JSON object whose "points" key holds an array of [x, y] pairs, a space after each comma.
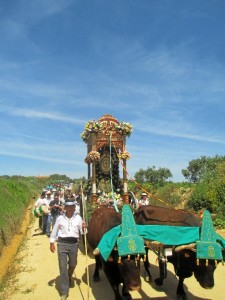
{"points": [[207, 246], [168, 235]]}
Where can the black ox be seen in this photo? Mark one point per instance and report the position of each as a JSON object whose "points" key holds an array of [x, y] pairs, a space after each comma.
{"points": [[126, 272], [183, 257]]}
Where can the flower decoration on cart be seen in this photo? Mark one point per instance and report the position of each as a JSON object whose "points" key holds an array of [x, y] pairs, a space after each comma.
{"points": [[93, 155], [90, 127], [124, 128], [124, 155], [107, 198]]}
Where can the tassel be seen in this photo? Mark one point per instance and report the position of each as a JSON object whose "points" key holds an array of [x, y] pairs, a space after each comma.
{"points": [[136, 262], [216, 263], [145, 257], [222, 263], [206, 262], [119, 260], [197, 262], [128, 257], [138, 256]]}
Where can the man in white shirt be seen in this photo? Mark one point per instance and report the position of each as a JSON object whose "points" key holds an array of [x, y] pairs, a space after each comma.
{"points": [[48, 219], [144, 200], [42, 201], [67, 230]]}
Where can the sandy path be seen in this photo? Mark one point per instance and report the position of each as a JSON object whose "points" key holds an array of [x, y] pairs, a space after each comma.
{"points": [[37, 277]]}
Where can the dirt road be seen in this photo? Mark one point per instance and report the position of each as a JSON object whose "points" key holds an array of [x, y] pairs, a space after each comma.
{"points": [[36, 277]]}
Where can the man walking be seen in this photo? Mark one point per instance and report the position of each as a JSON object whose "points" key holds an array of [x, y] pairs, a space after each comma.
{"points": [[67, 229]]}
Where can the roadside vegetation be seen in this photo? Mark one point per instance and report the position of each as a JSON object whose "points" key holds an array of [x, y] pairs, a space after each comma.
{"points": [[204, 187], [16, 194]]}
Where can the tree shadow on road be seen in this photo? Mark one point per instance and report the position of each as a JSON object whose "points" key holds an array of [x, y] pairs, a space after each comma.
{"points": [[102, 290], [169, 287]]}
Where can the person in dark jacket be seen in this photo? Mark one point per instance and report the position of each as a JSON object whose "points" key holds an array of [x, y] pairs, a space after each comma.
{"points": [[56, 208]]}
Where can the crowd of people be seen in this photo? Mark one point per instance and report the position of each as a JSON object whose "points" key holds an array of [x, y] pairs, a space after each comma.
{"points": [[52, 205], [61, 221]]}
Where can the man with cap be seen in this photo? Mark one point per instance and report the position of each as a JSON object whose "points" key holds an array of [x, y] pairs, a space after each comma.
{"points": [[144, 200], [67, 229]]}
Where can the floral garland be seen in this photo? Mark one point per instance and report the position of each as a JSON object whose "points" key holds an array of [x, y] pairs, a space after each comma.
{"points": [[90, 126], [94, 155], [84, 135], [124, 155], [124, 128], [106, 198]]}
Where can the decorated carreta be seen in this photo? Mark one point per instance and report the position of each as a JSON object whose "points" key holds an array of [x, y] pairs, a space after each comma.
{"points": [[121, 240]]}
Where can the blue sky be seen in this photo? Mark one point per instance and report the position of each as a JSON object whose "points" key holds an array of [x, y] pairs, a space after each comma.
{"points": [[158, 64]]}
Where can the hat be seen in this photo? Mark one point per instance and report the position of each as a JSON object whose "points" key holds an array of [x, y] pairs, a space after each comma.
{"points": [[48, 192], [144, 194], [69, 202]]}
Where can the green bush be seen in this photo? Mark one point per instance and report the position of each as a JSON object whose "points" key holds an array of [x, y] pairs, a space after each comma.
{"points": [[219, 223], [15, 195], [174, 194], [200, 198]]}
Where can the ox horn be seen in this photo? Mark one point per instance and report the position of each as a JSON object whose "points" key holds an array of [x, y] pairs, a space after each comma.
{"points": [[191, 246], [96, 251]]}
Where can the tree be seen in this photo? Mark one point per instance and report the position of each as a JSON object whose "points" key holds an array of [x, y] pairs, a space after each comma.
{"points": [[209, 193], [153, 176], [199, 168], [65, 178]]}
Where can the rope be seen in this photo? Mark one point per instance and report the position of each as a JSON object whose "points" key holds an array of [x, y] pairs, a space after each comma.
{"points": [[85, 239], [147, 192], [110, 152]]}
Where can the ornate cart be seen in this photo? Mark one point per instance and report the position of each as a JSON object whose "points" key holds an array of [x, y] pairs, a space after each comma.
{"points": [[106, 146]]}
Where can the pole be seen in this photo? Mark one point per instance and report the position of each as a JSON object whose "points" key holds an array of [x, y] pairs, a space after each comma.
{"points": [[85, 237], [111, 182]]}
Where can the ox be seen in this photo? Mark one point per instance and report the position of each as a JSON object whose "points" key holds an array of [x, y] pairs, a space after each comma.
{"points": [[126, 272], [183, 257]]}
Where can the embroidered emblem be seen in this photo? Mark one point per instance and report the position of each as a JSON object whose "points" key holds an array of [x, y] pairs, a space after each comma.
{"points": [[211, 251], [132, 245]]}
